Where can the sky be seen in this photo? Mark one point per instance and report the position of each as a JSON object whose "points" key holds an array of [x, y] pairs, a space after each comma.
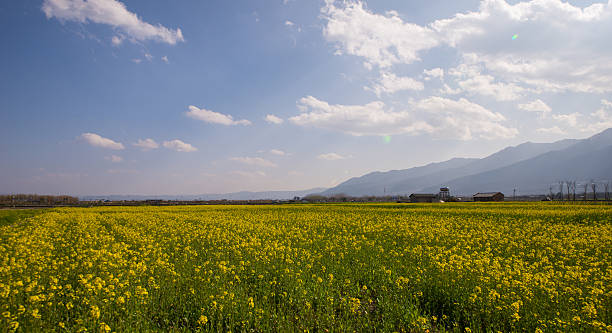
{"points": [[156, 97]]}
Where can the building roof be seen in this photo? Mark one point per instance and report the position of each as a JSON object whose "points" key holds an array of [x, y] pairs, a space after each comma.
{"points": [[486, 194], [422, 195]]}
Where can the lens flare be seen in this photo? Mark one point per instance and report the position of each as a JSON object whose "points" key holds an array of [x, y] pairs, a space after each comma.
{"points": [[514, 37], [387, 139]]}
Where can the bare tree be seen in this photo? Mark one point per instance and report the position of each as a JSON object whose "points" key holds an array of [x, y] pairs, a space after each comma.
{"points": [[594, 188], [586, 186], [568, 187], [561, 190], [551, 196], [607, 186]]}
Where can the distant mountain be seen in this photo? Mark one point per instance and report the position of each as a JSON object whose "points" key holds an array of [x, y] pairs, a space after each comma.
{"points": [[509, 168], [390, 182], [585, 160], [245, 195]]}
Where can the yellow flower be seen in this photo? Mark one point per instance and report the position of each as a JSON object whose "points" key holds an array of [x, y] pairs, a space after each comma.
{"points": [[94, 311], [203, 320], [104, 328]]}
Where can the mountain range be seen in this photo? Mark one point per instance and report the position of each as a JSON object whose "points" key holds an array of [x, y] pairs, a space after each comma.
{"points": [[244, 195], [530, 168]]}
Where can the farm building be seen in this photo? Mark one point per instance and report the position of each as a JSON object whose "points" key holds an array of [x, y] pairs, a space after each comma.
{"points": [[489, 196], [421, 197]]}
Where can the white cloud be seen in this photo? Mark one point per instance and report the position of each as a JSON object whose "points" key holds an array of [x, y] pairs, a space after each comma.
{"points": [[434, 115], [331, 157], [98, 141], [214, 117], [272, 119], [289, 23], [179, 146], [277, 152], [463, 119], [568, 37], [606, 103], [470, 79], [146, 144], [165, 59], [551, 130], [257, 161], [434, 73], [535, 106], [389, 83], [382, 40], [569, 119], [114, 158], [136, 60], [116, 40], [148, 56], [112, 13]]}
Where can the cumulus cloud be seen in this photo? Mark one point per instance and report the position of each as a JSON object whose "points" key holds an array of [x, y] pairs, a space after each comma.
{"points": [[535, 106], [165, 59], [434, 73], [382, 40], [272, 119], [112, 13], [435, 115], [567, 38], [256, 161], [146, 144], [289, 23], [179, 146], [389, 83], [214, 117], [98, 141], [331, 157]]}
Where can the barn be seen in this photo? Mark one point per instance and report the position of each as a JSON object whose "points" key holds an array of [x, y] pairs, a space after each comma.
{"points": [[422, 197], [489, 196]]}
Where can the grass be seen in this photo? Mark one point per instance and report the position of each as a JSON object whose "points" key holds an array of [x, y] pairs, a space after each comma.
{"points": [[10, 216]]}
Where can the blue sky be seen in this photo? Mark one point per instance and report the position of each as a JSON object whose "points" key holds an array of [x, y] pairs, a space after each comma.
{"points": [[151, 97]]}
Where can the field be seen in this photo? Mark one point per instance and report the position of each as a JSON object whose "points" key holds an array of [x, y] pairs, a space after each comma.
{"points": [[347, 267]]}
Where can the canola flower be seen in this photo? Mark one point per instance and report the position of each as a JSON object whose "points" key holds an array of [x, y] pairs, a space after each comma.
{"points": [[538, 267]]}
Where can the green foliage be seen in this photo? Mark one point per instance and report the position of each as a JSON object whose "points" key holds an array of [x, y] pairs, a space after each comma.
{"points": [[485, 267], [10, 216]]}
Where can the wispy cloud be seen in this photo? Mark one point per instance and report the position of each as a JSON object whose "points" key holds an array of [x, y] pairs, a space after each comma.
{"points": [[214, 117], [146, 144], [272, 119], [179, 146], [277, 152], [331, 157], [98, 141], [114, 158], [257, 161], [112, 13], [536, 106]]}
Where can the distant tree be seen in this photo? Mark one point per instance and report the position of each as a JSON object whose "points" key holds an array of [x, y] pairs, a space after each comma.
{"points": [[594, 188]]}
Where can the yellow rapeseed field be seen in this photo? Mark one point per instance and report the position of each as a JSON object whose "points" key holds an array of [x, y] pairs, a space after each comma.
{"points": [[535, 267]]}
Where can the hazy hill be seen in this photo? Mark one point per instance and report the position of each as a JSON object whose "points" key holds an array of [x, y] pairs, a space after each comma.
{"points": [[245, 195], [492, 173], [585, 160]]}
